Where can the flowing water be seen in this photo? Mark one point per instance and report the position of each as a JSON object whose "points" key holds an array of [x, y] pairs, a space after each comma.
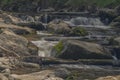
{"points": [[87, 22], [45, 47]]}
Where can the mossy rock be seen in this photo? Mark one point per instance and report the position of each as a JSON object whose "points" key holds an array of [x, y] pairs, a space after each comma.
{"points": [[74, 49], [59, 47], [78, 31]]}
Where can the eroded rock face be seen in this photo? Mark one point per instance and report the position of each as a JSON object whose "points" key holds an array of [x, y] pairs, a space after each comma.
{"points": [[12, 44], [74, 49], [43, 75]]}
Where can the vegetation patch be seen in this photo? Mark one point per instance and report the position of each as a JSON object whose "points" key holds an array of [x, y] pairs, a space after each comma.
{"points": [[78, 31], [59, 47]]}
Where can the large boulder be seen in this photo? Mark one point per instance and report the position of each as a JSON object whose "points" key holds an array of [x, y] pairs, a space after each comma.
{"points": [[13, 45], [58, 27], [42, 75], [74, 49]]}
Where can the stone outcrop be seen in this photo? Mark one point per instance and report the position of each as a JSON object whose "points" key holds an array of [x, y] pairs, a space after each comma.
{"points": [[13, 45], [74, 49]]}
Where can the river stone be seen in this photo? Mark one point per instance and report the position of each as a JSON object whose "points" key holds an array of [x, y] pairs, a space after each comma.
{"points": [[74, 49], [59, 27]]}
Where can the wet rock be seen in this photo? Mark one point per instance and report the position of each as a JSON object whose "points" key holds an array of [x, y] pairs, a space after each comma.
{"points": [[62, 72], [74, 49], [34, 25]]}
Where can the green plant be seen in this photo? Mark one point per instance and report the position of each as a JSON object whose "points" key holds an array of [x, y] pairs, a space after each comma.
{"points": [[59, 47], [79, 31]]}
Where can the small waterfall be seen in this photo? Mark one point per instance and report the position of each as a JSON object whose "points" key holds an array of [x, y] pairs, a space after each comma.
{"points": [[45, 20], [86, 22], [45, 47], [116, 60]]}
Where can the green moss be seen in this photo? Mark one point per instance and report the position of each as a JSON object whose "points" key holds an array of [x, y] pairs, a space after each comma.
{"points": [[78, 31], [59, 47]]}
